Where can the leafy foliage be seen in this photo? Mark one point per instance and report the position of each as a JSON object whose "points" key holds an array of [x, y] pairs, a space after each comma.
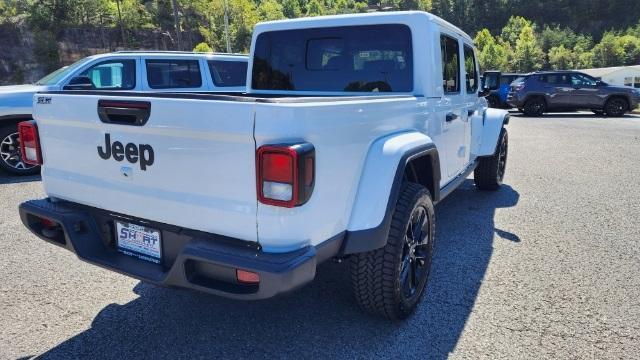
{"points": [[512, 35]]}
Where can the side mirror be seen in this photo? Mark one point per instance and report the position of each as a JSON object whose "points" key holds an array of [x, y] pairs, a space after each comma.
{"points": [[79, 83], [599, 83], [491, 80]]}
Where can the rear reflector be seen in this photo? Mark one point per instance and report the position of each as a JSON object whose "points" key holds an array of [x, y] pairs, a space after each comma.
{"points": [[247, 277], [29, 142], [285, 174]]}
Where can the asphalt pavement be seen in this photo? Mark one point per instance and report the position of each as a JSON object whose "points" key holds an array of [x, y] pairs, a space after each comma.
{"points": [[547, 267]]}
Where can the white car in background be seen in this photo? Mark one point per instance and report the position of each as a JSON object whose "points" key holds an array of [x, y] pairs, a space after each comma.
{"points": [[120, 71]]}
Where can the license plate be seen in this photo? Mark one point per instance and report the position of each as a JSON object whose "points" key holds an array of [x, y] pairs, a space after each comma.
{"points": [[138, 241]]}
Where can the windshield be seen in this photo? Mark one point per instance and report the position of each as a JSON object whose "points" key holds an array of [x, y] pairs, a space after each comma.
{"points": [[57, 75]]}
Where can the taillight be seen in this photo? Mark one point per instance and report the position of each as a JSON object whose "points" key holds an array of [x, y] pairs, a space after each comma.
{"points": [[29, 142], [285, 174]]}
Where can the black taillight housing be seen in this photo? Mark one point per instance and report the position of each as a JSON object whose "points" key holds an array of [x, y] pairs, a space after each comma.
{"points": [[285, 174]]}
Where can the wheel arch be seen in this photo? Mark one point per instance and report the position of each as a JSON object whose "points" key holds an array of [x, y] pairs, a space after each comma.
{"points": [[390, 161], [486, 135]]}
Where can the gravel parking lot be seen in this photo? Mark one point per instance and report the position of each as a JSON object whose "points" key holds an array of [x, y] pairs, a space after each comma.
{"points": [[548, 267]]}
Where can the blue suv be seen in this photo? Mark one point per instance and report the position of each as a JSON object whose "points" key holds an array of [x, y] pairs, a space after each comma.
{"points": [[498, 98], [540, 92]]}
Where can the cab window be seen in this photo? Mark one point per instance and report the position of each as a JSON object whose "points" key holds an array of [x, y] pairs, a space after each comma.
{"points": [[164, 74], [228, 73], [450, 64], [470, 68], [362, 58], [112, 75]]}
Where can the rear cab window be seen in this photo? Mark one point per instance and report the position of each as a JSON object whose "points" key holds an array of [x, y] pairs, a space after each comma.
{"points": [[450, 50], [471, 78], [363, 58], [228, 73], [173, 74]]}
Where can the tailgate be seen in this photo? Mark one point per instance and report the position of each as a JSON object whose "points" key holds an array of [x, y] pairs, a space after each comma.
{"points": [[191, 164]]}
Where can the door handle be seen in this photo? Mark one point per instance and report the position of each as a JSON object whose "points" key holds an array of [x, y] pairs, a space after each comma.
{"points": [[451, 116]]}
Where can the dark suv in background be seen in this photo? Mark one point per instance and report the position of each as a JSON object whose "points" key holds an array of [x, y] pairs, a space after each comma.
{"points": [[540, 92]]}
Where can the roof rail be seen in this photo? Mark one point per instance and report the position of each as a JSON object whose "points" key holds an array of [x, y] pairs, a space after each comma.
{"points": [[174, 52]]}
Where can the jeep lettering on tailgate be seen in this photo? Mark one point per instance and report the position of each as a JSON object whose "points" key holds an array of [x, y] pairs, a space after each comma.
{"points": [[132, 152]]}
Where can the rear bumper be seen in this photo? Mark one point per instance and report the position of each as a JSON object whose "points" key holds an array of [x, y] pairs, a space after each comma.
{"points": [[191, 259], [514, 100]]}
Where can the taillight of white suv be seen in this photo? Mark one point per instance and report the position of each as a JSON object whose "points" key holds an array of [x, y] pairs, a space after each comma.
{"points": [[30, 142]]}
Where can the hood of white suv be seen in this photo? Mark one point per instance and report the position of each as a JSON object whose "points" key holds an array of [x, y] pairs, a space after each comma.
{"points": [[21, 89], [18, 99]]}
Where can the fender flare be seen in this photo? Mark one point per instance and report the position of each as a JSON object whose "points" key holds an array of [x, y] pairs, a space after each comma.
{"points": [[379, 188], [485, 135]]}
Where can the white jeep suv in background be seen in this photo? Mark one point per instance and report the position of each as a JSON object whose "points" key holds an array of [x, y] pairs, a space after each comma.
{"points": [[119, 71]]}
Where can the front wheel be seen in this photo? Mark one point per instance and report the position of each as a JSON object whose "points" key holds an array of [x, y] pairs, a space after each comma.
{"points": [[10, 156], [390, 281], [489, 173], [616, 107]]}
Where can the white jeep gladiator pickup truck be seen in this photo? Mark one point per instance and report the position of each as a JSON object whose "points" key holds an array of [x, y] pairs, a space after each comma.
{"points": [[352, 128], [156, 71]]}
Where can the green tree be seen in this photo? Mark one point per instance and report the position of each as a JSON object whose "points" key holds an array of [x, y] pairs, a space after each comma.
{"points": [[270, 10], [513, 29], [630, 49], [314, 8], [561, 58], [483, 38], [491, 54], [291, 8], [608, 52], [527, 54], [203, 48]]}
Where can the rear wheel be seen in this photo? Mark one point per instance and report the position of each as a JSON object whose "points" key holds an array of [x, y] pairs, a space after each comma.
{"points": [[10, 156], [535, 107], [390, 281], [616, 107], [489, 173]]}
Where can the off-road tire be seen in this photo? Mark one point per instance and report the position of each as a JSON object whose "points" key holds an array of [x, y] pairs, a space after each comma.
{"points": [[535, 107], [616, 107], [10, 157], [377, 276], [490, 170]]}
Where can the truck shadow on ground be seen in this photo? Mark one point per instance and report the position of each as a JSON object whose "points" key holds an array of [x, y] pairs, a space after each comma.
{"points": [[319, 320], [15, 179]]}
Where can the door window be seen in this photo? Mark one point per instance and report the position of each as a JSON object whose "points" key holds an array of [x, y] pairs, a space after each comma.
{"points": [[450, 64], [165, 74], [470, 69], [228, 73], [581, 80], [555, 79], [112, 75]]}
